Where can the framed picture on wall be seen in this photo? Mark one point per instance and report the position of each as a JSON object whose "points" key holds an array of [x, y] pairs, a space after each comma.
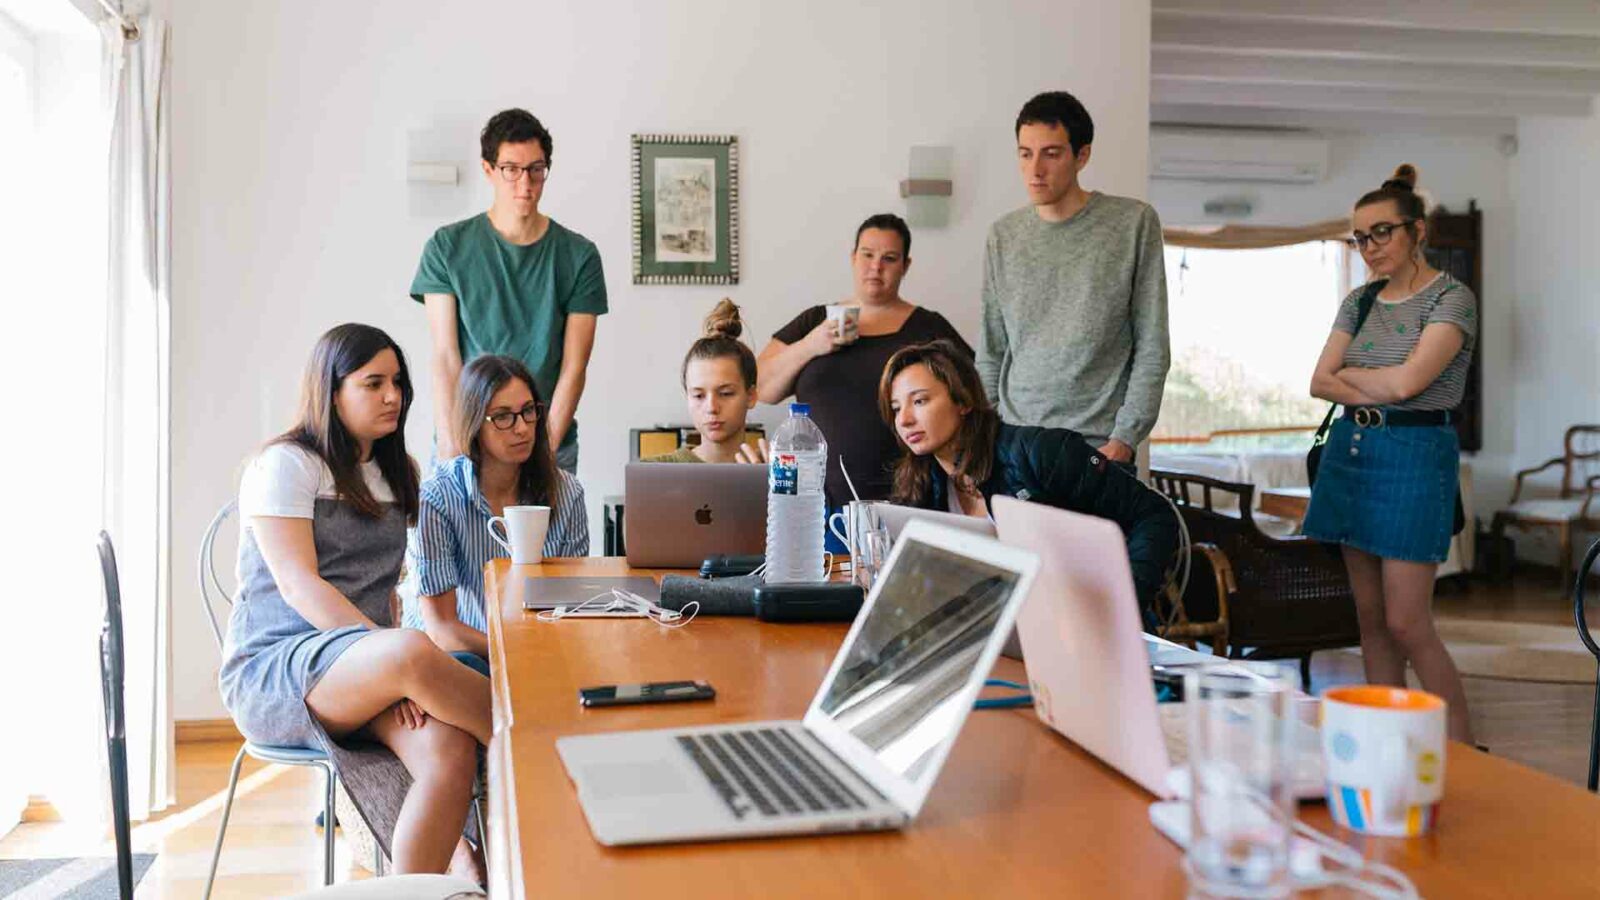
{"points": [[685, 209]]}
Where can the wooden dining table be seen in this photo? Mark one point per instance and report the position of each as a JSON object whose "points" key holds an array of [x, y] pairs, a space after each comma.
{"points": [[1019, 810]]}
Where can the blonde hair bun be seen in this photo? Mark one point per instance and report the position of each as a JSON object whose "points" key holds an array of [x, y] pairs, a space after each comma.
{"points": [[723, 321]]}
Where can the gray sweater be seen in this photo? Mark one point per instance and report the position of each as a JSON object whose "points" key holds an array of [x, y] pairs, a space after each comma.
{"points": [[1075, 320]]}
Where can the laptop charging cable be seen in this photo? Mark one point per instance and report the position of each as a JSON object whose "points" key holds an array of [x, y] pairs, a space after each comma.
{"points": [[1315, 859], [618, 601], [1008, 702]]}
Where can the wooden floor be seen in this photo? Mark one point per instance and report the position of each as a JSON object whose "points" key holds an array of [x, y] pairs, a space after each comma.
{"points": [[274, 847]]}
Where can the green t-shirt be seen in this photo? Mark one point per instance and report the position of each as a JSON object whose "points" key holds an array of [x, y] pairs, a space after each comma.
{"points": [[510, 299]]}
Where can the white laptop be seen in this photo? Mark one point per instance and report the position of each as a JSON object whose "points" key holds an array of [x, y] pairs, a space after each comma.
{"points": [[874, 738], [896, 518], [1086, 656]]}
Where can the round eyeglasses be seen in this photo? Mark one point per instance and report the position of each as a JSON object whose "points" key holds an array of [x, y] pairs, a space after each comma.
{"points": [[506, 419], [1380, 234]]}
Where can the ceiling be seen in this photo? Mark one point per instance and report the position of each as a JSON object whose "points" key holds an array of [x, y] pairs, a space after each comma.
{"points": [[1369, 65]]}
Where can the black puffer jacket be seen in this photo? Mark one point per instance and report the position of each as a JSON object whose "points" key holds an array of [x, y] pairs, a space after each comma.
{"points": [[1057, 467]]}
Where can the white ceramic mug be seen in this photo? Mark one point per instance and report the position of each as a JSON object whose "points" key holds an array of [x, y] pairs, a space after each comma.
{"points": [[847, 318], [1384, 749], [858, 527], [521, 533]]}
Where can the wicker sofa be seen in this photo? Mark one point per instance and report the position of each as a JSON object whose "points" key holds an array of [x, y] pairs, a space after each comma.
{"points": [[1259, 596]]}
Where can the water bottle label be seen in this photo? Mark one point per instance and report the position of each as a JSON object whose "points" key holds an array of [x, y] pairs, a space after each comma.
{"points": [[784, 477]]}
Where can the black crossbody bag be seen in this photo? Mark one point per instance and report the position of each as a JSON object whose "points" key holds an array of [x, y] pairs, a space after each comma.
{"points": [[1314, 455]]}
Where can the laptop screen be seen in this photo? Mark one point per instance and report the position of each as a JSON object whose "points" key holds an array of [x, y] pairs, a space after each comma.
{"points": [[899, 687]]}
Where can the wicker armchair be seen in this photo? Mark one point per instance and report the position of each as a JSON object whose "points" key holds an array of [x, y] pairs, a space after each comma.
{"points": [[1278, 597]]}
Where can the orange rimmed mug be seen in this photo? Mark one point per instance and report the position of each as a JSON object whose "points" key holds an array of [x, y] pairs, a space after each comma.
{"points": [[1384, 750]]}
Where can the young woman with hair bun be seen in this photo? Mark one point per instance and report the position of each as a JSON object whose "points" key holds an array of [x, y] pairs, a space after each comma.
{"points": [[1386, 485], [719, 382]]}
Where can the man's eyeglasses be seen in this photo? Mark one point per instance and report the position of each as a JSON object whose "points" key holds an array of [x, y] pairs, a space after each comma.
{"points": [[1380, 234], [506, 419], [512, 172]]}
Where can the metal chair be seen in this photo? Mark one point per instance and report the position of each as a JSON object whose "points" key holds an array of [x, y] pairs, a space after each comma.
{"points": [[1578, 589], [212, 595], [111, 688]]}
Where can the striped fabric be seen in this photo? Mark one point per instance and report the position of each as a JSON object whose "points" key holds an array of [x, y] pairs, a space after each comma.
{"points": [[1392, 331], [450, 543]]}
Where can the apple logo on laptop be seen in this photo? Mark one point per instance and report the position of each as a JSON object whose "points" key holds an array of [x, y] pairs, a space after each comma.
{"points": [[702, 516]]}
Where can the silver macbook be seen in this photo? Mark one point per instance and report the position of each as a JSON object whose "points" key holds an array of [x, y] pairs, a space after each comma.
{"points": [[549, 593], [1088, 663], [874, 738], [677, 514]]}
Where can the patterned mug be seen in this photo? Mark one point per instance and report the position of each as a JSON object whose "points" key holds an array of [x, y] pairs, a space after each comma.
{"points": [[1384, 749]]}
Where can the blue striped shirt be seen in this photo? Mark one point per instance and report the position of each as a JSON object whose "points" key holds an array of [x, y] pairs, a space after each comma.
{"points": [[450, 543]]}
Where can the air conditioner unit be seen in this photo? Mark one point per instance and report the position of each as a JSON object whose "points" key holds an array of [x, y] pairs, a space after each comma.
{"points": [[1237, 155]]}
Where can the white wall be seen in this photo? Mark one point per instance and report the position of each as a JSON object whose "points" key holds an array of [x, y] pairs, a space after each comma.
{"points": [[1453, 168], [291, 214], [1555, 322]]}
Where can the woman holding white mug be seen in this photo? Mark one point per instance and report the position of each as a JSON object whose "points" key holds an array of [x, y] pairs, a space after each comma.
{"points": [[508, 466], [825, 361]]}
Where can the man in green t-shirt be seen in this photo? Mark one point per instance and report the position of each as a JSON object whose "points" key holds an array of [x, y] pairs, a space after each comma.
{"points": [[513, 281]]}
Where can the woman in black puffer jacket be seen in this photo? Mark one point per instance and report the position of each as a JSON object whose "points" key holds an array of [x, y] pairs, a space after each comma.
{"points": [[930, 394]]}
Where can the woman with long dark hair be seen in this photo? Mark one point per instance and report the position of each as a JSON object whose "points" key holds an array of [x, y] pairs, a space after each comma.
{"points": [[956, 454], [312, 658], [1386, 486], [508, 461]]}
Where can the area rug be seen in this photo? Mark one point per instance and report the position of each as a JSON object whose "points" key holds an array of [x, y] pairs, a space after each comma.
{"points": [[1515, 651], [83, 878]]}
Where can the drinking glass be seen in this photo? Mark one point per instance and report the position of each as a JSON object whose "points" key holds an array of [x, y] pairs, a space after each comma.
{"points": [[1241, 802]]}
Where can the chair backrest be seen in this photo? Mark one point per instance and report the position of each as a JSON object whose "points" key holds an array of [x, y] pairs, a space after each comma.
{"points": [[1581, 615], [1581, 459], [111, 688], [214, 597]]}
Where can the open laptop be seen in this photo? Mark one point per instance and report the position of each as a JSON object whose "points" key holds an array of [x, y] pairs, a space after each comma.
{"points": [[1087, 660], [896, 518], [874, 738], [675, 514]]}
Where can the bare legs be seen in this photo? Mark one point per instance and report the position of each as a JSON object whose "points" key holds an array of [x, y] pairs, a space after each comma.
{"points": [[1394, 600], [396, 664], [442, 760], [359, 692]]}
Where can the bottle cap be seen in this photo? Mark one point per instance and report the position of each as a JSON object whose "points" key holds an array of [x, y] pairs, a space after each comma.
{"points": [[799, 409]]}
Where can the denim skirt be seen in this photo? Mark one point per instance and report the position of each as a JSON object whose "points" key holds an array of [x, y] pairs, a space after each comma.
{"points": [[1388, 491]]}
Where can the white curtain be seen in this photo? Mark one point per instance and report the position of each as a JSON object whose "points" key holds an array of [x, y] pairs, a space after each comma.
{"points": [[137, 377]]}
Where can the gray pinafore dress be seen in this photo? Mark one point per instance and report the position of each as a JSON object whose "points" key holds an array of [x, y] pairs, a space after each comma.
{"points": [[273, 657]]}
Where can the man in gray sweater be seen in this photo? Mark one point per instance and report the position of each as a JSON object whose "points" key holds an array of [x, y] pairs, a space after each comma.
{"points": [[1074, 328]]}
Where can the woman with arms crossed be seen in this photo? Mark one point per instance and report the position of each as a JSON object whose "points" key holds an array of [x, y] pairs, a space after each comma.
{"points": [[1386, 485]]}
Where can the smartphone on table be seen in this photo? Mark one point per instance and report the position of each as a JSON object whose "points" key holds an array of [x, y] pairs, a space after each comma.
{"points": [[647, 692]]}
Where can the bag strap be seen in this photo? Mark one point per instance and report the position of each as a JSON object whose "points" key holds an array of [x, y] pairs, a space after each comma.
{"points": [[1363, 308]]}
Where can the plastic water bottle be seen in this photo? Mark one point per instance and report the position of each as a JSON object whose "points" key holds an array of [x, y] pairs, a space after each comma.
{"points": [[795, 506]]}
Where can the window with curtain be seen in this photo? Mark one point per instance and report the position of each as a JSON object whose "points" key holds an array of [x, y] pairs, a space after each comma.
{"points": [[1246, 329]]}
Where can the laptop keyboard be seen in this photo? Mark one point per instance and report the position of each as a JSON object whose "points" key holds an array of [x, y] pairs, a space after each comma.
{"points": [[767, 771]]}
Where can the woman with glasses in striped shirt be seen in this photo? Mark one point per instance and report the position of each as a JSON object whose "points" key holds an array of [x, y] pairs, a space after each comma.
{"points": [[499, 424]]}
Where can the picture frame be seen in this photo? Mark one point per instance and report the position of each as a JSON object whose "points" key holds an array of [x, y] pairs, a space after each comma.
{"points": [[685, 208]]}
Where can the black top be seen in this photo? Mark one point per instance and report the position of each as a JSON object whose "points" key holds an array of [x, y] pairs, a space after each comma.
{"points": [[842, 389], [1057, 467]]}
